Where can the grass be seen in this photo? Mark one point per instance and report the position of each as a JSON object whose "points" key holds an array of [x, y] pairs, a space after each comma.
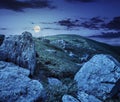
{"points": [[55, 93]]}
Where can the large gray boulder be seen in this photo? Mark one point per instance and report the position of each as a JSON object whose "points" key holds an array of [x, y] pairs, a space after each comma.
{"points": [[19, 49], [16, 86], [98, 76]]}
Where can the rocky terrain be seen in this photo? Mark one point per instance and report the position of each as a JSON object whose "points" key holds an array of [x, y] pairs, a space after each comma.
{"points": [[61, 68]]}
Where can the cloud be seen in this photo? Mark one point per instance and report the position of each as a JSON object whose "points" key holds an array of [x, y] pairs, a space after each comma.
{"points": [[109, 35], [89, 25], [49, 28], [96, 20], [57, 28], [16, 5], [69, 23], [114, 24], [3, 28], [84, 1], [47, 22], [93, 23]]}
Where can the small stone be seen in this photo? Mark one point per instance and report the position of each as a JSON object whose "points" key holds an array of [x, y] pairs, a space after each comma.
{"points": [[54, 82], [68, 98]]}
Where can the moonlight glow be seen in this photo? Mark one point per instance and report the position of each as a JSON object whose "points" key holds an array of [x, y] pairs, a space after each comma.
{"points": [[37, 29]]}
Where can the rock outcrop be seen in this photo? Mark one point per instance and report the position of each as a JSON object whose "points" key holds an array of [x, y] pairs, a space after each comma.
{"points": [[61, 43], [19, 49], [16, 86], [97, 77]]}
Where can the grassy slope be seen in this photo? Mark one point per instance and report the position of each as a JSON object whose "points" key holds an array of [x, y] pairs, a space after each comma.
{"points": [[59, 63], [88, 45]]}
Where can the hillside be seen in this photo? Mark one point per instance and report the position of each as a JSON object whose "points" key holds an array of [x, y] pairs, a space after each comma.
{"points": [[60, 68], [61, 56], [62, 53]]}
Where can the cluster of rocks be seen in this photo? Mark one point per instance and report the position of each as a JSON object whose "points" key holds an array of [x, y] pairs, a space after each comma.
{"points": [[61, 43], [15, 84], [19, 49], [97, 80]]}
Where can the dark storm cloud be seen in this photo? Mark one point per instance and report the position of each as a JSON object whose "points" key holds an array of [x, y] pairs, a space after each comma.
{"points": [[69, 23], [114, 24], [3, 28], [109, 35], [85, 1], [21, 5]]}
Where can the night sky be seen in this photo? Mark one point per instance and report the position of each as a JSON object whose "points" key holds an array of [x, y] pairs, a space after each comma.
{"points": [[97, 19]]}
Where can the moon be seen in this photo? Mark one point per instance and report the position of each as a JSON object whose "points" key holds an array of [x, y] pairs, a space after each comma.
{"points": [[37, 28]]}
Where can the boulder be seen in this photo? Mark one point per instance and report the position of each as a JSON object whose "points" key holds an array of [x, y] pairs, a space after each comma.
{"points": [[54, 82], [69, 98], [19, 49], [98, 76], [16, 86], [84, 97]]}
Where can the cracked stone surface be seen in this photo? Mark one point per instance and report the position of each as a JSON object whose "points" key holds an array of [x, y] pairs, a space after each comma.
{"points": [[98, 76], [16, 86], [69, 98], [19, 49]]}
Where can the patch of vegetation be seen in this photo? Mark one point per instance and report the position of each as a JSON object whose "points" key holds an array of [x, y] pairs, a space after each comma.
{"points": [[55, 61]]}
